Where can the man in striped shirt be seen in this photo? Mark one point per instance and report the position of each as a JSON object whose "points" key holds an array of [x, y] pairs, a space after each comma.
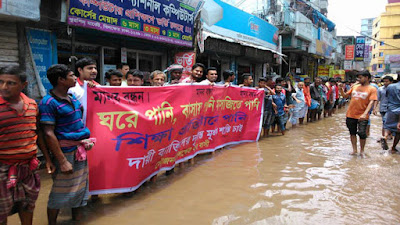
{"points": [[19, 180], [65, 134]]}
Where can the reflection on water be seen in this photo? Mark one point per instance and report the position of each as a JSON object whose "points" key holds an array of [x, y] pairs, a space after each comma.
{"points": [[305, 177]]}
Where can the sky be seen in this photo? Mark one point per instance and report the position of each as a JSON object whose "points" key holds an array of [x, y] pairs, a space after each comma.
{"points": [[344, 13], [347, 14]]}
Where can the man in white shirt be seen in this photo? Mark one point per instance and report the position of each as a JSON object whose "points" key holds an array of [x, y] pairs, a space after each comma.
{"points": [[123, 68], [87, 72], [212, 76]]}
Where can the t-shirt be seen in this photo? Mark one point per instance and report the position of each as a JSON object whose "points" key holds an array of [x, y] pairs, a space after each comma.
{"points": [[393, 96], [65, 116], [360, 98], [307, 95], [79, 92], [383, 106], [268, 101], [18, 131], [280, 100]]}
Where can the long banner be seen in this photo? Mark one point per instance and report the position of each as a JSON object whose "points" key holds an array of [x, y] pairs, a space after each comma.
{"points": [[144, 130]]}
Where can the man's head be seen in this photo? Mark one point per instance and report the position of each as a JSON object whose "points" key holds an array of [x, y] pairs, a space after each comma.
{"points": [[197, 71], [332, 81], [247, 80], [228, 75], [300, 85], [175, 71], [157, 78], [307, 81], [134, 78], [278, 88], [123, 68], [387, 80], [281, 81], [87, 69], [114, 77], [364, 77], [12, 82], [212, 74], [262, 82], [318, 81], [61, 75], [270, 81]]}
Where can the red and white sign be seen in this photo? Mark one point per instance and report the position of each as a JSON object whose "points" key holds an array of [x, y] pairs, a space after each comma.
{"points": [[349, 52], [187, 60]]}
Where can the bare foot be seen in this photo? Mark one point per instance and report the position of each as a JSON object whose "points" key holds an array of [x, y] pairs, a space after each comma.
{"points": [[353, 153]]}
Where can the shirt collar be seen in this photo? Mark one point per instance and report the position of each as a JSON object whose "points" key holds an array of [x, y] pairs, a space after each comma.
{"points": [[80, 82]]}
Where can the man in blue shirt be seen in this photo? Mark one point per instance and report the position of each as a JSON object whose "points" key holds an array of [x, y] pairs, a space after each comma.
{"points": [[382, 105], [392, 122], [64, 130], [279, 99]]}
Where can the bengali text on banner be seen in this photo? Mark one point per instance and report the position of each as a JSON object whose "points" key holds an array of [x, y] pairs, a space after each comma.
{"points": [[141, 131]]}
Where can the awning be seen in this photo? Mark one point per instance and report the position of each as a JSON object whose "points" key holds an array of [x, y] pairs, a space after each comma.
{"points": [[207, 34]]}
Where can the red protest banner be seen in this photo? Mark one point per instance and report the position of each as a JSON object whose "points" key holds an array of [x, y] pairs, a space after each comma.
{"points": [[141, 131], [349, 52], [187, 60]]}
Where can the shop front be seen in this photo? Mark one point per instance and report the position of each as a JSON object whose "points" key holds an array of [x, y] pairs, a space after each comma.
{"points": [[237, 40], [144, 36]]}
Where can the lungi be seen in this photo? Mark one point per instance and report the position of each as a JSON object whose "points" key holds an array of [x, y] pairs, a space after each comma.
{"points": [[25, 192], [70, 190]]}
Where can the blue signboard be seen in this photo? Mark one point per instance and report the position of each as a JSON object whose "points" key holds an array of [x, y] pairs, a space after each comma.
{"points": [[44, 52], [168, 21], [229, 21], [359, 48]]}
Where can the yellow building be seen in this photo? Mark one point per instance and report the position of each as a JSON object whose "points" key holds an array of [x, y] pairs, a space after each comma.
{"points": [[386, 32]]}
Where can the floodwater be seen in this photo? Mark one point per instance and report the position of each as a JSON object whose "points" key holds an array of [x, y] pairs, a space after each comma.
{"points": [[304, 177]]}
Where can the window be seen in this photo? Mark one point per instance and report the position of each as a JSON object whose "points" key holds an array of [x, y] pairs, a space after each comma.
{"points": [[373, 56], [396, 36], [374, 46], [380, 54], [382, 43], [380, 66]]}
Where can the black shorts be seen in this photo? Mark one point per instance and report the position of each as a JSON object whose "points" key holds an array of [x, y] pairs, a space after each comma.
{"points": [[336, 103], [356, 126]]}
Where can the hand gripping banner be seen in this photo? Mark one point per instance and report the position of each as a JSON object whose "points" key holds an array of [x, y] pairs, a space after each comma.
{"points": [[141, 131]]}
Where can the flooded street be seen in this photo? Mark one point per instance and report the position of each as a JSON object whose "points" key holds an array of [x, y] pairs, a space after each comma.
{"points": [[305, 177]]}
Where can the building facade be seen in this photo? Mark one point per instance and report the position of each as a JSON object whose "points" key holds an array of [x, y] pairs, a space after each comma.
{"points": [[386, 32]]}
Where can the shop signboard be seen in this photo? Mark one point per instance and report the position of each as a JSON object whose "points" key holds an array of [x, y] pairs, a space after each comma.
{"points": [[228, 21], [323, 71], [187, 60], [348, 65], [359, 49], [339, 74], [43, 47], [168, 21], [28, 9], [349, 52]]}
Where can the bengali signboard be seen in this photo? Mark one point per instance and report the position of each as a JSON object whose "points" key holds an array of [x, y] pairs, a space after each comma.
{"points": [[43, 46], [28, 9], [142, 131], [168, 21], [349, 52], [348, 65], [359, 49], [187, 60]]}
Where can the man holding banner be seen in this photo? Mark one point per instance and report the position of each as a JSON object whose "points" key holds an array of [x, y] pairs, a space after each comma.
{"points": [[67, 139]]}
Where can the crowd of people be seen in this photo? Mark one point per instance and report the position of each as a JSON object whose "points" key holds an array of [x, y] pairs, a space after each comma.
{"points": [[57, 126]]}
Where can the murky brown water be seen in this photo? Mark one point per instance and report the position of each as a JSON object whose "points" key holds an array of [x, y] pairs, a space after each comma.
{"points": [[305, 177]]}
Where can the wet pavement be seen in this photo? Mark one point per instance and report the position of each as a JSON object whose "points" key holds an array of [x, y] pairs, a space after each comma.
{"points": [[304, 177]]}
